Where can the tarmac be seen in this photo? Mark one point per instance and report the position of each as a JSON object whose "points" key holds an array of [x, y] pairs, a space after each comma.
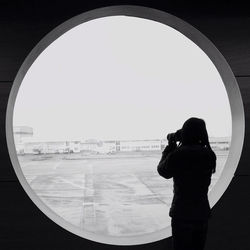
{"points": [[105, 194]]}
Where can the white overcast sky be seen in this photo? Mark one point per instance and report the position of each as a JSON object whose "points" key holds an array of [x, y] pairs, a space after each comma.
{"points": [[121, 78]]}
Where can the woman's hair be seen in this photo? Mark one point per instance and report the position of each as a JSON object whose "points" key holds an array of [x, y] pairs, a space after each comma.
{"points": [[194, 132]]}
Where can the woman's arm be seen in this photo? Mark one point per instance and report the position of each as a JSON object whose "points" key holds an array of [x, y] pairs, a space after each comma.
{"points": [[165, 167]]}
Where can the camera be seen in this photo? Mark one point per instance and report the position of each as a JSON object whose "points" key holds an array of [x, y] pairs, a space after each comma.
{"points": [[174, 137]]}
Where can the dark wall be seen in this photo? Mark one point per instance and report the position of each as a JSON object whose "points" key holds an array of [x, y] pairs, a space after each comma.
{"points": [[22, 224]]}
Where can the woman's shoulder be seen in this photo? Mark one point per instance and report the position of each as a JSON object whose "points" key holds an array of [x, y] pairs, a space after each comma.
{"points": [[195, 150]]}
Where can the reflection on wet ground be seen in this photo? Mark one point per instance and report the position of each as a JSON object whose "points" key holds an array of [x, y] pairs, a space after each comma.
{"points": [[118, 196]]}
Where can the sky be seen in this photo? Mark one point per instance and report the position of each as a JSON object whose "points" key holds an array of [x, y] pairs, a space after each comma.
{"points": [[121, 78]]}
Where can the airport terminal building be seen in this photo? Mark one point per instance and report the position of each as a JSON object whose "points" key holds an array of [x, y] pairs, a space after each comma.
{"points": [[25, 144]]}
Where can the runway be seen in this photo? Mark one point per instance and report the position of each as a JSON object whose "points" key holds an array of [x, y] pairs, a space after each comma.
{"points": [[108, 195]]}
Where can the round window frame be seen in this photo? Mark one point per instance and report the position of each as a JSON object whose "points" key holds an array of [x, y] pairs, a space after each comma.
{"points": [[230, 83]]}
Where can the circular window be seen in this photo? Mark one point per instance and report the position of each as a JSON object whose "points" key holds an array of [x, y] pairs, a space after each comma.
{"points": [[90, 109]]}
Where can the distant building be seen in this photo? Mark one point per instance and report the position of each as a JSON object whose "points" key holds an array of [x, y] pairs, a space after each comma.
{"points": [[108, 147], [25, 144], [34, 148], [140, 145], [89, 146], [57, 147], [21, 132], [74, 146], [220, 143], [52, 147], [101, 147]]}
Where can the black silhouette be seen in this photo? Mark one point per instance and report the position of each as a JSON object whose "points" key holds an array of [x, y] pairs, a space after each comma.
{"points": [[190, 164]]}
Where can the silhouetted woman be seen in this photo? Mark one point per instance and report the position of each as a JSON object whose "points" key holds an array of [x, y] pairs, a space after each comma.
{"points": [[191, 165]]}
